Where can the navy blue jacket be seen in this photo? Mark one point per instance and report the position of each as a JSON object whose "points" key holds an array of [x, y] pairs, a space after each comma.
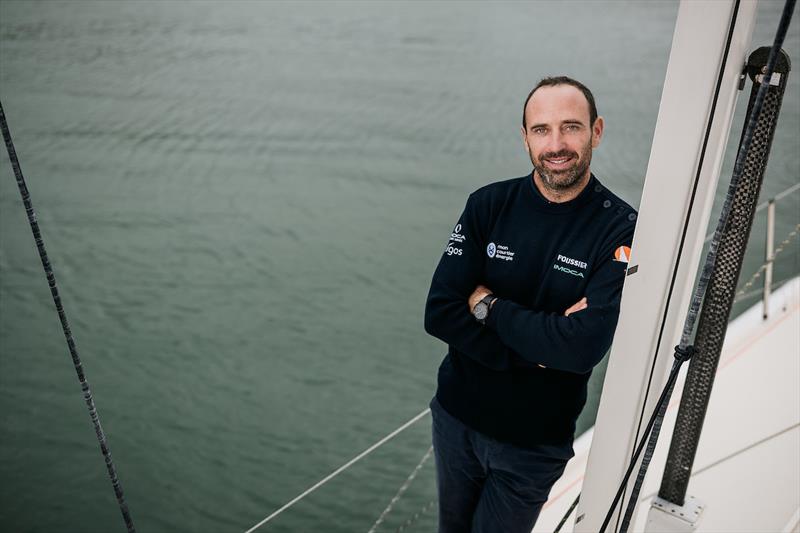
{"points": [[521, 377]]}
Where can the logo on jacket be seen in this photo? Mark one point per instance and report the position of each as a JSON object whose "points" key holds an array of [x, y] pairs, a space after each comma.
{"points": [[453, 250], [499, 251], [457, 236], [622, 254], [569, 271], [570, 265], [572, 262]]}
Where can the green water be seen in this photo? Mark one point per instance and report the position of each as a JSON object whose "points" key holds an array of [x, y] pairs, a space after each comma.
{"points": [[244, 203]]}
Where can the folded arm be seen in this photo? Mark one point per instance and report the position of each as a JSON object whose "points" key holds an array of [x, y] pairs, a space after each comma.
{"points": [[573, 342], [447, 313]]}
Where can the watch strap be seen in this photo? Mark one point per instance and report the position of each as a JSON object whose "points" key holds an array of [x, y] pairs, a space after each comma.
{"points": [[486, 300]]}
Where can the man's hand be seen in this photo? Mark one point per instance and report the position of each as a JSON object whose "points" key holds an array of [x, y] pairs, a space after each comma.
{"points": [[580, 305], [477, 295]]}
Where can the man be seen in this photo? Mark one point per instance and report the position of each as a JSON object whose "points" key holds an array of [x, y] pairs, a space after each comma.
{"points": [[526, 295]]}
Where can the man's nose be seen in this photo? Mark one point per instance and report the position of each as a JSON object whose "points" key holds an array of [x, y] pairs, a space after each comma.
{"points": [[556, 142]]}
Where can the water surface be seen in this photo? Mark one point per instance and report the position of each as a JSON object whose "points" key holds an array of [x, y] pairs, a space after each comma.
{"points": [[244, 203]]}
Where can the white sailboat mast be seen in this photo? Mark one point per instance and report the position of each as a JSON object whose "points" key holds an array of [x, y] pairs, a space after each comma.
{"points": [[693, 126]]}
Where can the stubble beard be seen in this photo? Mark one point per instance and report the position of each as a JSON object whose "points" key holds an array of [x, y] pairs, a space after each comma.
{"points": [[562, 181]]}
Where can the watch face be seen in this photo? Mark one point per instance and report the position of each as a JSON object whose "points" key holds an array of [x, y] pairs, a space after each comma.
{"points": [[481, 310]]}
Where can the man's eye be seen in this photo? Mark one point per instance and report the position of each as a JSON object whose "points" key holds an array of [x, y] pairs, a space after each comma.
{"points": [[572, 127], [539, 131]]}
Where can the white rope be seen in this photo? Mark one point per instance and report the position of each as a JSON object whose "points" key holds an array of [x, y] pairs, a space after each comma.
{"points": [[340, 469], [402, 489], [760, 292], [425, 508], [780, 195], [763, 205], [743, 292]]}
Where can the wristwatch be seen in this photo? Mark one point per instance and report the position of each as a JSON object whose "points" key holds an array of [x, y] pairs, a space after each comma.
{"points": [[481, 309]]}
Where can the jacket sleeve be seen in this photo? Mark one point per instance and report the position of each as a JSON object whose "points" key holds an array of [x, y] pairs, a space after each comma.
{"points": [[575, 343], [460, 270]]}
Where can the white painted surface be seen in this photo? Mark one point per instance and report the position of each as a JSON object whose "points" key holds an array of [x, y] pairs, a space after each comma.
{"points": [[747, 468], [637, 357]]}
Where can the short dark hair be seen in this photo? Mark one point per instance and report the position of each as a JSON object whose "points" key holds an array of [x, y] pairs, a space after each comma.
{"points": [[563, 80]]}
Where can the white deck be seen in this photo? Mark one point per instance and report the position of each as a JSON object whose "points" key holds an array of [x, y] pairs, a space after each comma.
{"points": [[747, 468]]}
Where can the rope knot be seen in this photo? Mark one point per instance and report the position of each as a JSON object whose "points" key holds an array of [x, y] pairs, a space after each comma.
{"points": [[683, 354]]}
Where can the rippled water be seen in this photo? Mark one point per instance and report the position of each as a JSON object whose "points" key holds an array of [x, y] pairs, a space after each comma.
{"points": [[244, 203]]}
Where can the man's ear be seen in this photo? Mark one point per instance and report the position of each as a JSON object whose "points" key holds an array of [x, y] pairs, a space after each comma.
{"points": [[525, 140], [597, 131]]}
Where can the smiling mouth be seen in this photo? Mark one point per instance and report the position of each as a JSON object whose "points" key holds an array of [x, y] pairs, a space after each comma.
{"points": [[559, 162]]}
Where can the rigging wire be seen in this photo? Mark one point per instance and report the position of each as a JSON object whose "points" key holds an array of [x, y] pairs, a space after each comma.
{"points": [[569, 512], [763, 205], [76, 361], [758, 292], [424, 509], [682, 354], [401, 490], [781, 247], [341, 469]]}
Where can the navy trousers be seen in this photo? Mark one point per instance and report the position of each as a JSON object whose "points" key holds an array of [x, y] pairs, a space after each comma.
{"points": [[487, 486]]}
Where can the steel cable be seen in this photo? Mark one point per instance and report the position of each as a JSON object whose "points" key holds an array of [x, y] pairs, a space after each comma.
{"points": [[76, 360]]}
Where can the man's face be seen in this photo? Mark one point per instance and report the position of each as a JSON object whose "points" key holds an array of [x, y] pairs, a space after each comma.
{"points": [[559, 138]]}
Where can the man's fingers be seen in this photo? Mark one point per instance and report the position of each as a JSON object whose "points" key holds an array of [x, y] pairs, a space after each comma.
{"points": [[580, 305], [476, 296], [573, 310]]}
